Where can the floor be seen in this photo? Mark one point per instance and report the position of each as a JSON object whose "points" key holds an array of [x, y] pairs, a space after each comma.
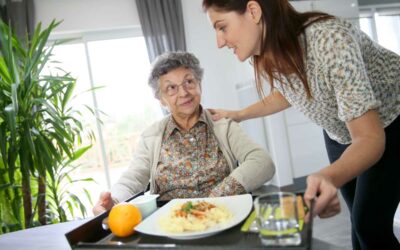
{"points": [[336, 230]]}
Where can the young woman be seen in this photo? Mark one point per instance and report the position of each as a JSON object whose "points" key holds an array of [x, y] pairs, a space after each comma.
{"points": [[342, 81]]}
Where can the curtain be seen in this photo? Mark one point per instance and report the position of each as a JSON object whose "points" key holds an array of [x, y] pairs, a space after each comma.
{"points": [[20, 14], [3, 10], [162, 26]]}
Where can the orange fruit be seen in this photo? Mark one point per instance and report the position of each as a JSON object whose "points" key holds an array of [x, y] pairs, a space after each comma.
{"points": [[123, 218]]}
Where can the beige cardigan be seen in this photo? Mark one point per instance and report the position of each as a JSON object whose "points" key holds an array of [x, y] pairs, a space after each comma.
{"points": [[255, 165]]}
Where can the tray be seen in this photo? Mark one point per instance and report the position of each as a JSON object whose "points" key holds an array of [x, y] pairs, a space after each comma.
{"points": [[91, 235]]}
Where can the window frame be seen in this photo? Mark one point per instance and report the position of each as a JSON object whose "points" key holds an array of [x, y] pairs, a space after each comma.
{"points": [[371, 11], [84, 38]]}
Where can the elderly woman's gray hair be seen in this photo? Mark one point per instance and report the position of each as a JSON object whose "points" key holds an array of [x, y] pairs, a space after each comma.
{"points": [[170, 61]]}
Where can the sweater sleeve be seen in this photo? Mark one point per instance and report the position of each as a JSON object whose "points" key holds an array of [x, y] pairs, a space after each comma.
{"points": [[136, 178], [255, 165], [229, 186]]}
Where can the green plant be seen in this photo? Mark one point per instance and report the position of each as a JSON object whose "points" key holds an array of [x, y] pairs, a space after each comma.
{"points": [[39, 129], [62, 201]]}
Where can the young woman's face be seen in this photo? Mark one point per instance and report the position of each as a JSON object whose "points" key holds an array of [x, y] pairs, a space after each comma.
{"points": [[240, 32]]}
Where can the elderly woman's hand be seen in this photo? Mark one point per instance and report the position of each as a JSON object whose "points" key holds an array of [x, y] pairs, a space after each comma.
{"points": [[321, 188], [217, 114], [104, 203]]}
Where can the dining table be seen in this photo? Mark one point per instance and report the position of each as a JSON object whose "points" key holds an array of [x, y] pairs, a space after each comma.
{"points": [[54, 237]]}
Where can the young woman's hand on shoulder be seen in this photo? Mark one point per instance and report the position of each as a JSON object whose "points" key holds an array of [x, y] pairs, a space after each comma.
{"points": [[218, 114], [269, 105]]}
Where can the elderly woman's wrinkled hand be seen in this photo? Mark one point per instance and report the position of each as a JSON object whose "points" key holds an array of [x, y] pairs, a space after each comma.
{"points": [[321, 188], [104, 203]]}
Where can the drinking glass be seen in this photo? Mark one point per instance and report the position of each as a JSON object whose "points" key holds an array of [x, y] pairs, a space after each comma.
{"points": [[277, 219]]}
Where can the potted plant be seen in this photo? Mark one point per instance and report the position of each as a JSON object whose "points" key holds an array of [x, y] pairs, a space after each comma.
{"points": [[39, 131]]}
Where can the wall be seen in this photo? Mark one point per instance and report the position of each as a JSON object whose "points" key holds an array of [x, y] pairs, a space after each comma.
{"points": [[343, 8], [374, 2], [222, 69], [87, 15]]}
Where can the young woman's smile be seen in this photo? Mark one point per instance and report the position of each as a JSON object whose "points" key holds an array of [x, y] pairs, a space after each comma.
{"points": [[241, 33]]}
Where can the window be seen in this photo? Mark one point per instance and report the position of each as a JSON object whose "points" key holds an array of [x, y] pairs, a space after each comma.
{"points": [[382, 25], [125, 103], [388, 30], [366, 25]]}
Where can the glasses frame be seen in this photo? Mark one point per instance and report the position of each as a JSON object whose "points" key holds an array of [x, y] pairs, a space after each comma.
{"points": [[187, 84]]}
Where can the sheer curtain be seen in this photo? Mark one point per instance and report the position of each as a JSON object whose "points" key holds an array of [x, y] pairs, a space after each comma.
{"points": [[162, 25]]}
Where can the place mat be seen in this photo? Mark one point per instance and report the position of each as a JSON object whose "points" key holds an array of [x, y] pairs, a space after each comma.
{"points": [[91, 235], [249, 226]]}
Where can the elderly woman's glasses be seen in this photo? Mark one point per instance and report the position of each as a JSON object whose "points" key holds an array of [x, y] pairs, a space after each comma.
{"points": [[187, 84]]}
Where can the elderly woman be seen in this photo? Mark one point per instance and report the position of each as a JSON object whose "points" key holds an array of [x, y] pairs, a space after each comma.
{"points": [[187, 154]]}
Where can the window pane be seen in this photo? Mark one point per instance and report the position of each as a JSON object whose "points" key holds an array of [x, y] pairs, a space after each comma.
{"points": [[122, 67], [366, 26], [388, 29], [72, 58]]}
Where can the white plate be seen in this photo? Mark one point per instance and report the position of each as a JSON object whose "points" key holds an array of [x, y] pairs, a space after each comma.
{"points": [[238, 205]]}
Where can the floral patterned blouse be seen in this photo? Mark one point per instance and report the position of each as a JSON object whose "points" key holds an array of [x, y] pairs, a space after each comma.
{"points": [[348, 75], [192, 165]]}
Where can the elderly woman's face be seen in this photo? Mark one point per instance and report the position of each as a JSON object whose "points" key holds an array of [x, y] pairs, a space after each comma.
{"points": [[180, 92]]}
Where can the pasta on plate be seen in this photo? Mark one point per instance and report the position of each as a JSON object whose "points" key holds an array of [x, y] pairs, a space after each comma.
{"points": [[193, 216]]}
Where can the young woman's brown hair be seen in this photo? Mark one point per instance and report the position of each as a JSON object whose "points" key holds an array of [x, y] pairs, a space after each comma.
{"points": [[281, 52]]}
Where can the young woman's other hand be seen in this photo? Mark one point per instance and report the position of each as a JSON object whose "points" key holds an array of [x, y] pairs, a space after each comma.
{"points": [[321, 188], [218, 114]]}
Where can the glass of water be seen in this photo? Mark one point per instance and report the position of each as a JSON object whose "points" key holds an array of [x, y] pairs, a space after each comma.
{"points": [[277, 219]]}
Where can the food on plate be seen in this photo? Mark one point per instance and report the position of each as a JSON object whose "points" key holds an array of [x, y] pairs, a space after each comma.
{"points": [[123, 218], [194, 216]]}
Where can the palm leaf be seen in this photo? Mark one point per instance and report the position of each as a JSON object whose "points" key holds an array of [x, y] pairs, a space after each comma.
{"points": [[5, 186], [5, 75], [78, 153], [68, 94]]}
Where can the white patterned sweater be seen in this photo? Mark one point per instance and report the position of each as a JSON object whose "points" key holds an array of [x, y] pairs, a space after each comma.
{"points": [[348, 75]]}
